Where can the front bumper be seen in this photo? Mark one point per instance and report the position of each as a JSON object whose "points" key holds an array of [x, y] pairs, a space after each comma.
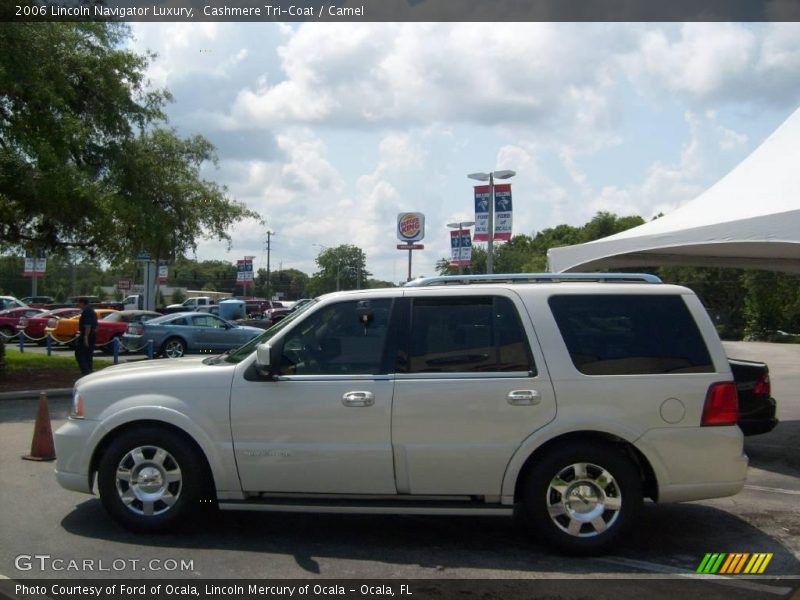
{"points": [[73, 456]]}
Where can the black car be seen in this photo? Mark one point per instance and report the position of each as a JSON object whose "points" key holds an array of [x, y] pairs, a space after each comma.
{"points": [[757, 407]]}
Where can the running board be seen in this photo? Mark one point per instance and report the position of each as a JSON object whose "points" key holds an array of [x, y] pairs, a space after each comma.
{"points": [[373, 508]]}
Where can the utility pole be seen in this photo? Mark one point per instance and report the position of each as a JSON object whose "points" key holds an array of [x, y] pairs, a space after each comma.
{"points": [[269, 249]]}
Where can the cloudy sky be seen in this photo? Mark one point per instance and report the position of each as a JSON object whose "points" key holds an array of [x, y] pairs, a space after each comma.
{"points": [[329, 130]]}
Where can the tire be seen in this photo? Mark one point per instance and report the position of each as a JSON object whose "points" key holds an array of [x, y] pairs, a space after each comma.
{"points": [[150, 480], [173, 347], [582, 499], [8, 332]]}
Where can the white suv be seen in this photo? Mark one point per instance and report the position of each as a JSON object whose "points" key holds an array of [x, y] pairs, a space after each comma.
{"points": [[569, 396]]}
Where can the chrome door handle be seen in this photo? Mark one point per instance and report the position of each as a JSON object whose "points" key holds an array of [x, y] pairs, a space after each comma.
{"points": [[358, 399], [523, 397]]}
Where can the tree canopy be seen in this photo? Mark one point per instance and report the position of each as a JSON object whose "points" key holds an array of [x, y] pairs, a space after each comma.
{"points": [[341, 268], [86, 164]]}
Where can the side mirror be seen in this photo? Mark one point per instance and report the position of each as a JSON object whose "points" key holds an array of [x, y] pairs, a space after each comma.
{"points": [[263, 356]]}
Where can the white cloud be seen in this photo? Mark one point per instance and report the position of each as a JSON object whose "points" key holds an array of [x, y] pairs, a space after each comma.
{"points": [[428, 100], [708, 63], [365, 75]]}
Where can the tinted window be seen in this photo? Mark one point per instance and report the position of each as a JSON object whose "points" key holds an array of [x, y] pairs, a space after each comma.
{"points": [[479, 334], [335, 341], [630, 335], [179, 321]]}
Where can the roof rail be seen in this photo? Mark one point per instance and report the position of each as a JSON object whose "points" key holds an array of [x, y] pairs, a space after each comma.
{"points": [[534, 278]]}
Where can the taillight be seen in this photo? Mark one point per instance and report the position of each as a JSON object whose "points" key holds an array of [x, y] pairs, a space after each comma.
{"points": [[51, 323], [722, 404], [762, 387], [136, 329]]}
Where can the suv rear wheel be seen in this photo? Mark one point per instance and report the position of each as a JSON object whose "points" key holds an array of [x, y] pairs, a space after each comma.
{"points": [[583, 498], [149, 479]]}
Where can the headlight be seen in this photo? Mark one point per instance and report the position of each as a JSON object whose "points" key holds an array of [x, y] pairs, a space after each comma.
{"points": [[77, 405]]}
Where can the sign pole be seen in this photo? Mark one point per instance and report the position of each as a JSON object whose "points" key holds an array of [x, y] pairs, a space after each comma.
{"points": [[409, 264]]}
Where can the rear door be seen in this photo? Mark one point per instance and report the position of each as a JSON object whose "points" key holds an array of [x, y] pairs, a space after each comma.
{"points": [[470, 387]]}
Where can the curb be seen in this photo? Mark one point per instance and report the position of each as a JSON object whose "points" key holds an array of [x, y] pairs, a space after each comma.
{"points": [[34, 394]]}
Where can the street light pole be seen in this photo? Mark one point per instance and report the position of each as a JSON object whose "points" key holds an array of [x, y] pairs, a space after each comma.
{"points": [[490, 227], [506, 174]]}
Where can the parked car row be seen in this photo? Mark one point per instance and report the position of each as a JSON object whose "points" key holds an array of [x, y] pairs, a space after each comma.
{"points": [[178, 334]]}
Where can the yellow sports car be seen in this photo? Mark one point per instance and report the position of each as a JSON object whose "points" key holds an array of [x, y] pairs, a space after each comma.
{"points": [[64, 330]]}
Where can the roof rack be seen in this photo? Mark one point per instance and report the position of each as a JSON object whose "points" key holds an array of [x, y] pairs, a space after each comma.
{"points": [[534, 278]]}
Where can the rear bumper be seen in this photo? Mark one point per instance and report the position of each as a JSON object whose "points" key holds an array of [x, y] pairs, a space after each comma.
{"points": [[758, 426], [694, 463], [758, 417]]}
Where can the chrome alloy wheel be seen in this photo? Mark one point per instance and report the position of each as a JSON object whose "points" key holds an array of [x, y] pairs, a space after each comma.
{"points": [[583, 500], [174, 349], [149, 480]]}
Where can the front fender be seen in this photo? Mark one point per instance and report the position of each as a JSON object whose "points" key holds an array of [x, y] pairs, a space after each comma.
{"points": [[211, 432]]}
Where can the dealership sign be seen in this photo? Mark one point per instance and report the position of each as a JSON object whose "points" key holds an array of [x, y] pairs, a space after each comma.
{"points": [[460, 248], [502, 212], [34, 267], [410, 227], [244, 270]]}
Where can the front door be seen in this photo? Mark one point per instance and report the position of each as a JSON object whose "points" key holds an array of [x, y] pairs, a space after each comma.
{"points": [[212, 332], [325, 425]]}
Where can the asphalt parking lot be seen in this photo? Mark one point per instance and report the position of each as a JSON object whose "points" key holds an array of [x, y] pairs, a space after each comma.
{"points": [[40, 518]]}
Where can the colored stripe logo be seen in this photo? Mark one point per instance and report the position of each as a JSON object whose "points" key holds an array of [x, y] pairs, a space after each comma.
{"points": [[735, 563]]}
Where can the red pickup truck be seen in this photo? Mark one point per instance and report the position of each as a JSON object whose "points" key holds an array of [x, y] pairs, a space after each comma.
{"points": [[256, 307]]}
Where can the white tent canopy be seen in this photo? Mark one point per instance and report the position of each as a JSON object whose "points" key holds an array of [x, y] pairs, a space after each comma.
{"points": [[748, 219]]}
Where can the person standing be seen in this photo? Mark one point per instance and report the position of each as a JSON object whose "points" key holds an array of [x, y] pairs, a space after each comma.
{"points": [[87, 330]]}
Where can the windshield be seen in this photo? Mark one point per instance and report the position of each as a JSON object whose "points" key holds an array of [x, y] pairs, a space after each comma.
{"points": [[243, 352]]}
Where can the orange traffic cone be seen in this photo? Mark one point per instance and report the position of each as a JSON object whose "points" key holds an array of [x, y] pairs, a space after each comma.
{"points": [[42, 447]]}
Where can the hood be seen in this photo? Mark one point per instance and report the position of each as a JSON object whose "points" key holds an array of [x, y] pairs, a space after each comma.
{"points": [[160, 374]]}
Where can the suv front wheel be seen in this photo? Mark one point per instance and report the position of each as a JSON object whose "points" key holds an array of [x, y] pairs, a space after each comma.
{"points": [[149, 479], [583, 498]]}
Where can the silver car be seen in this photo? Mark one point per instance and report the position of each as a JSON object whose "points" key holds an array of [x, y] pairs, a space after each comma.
{"points": [[181, 333]]}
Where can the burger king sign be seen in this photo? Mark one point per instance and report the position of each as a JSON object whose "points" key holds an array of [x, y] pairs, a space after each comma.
{"points": [[410, 227]]}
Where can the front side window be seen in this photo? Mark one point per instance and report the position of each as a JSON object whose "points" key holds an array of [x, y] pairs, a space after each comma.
{"points": [[336, 340], [613, 334], [467, 334], [208, 321]]}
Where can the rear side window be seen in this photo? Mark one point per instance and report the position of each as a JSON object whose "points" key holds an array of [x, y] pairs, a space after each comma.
{"points": [[630, 335], [467, 334]]}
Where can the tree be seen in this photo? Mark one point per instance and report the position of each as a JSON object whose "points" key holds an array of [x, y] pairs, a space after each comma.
{"points": [[178, 296], [70, 97], [84, 162], [341, 268], [289, 283], [160, 202]]}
